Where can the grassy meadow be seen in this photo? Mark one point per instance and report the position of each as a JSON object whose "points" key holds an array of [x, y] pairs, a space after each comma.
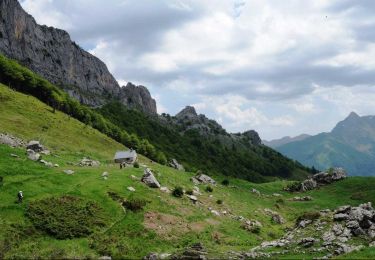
{"points": [[165, 225]]}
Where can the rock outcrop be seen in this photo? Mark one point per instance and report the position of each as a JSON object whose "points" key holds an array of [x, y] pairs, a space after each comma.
{"points": [[329, 234], [51, 53], [175, 164], [319, 179], [10, 140], [138, 97]]}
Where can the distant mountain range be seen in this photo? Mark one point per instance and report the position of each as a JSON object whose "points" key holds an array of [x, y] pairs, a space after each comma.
{"points": [[285, 140], [351, 144]]}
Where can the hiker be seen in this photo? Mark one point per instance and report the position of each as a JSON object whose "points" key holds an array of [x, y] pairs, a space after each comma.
{"points": [[20, 197]]}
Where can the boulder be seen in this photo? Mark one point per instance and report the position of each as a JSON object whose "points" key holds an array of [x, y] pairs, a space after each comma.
{"points": [[308, 184], [165, 189], [69, 172], [149, 179], [192, 198], [276, 217], [174, 164], [203, 178], [255, 191], [35, 146], [307, 242], [32, 155], [88, 162], [340, 217]]}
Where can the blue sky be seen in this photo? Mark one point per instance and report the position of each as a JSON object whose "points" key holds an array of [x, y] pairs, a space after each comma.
{"points": [[279, 67]]}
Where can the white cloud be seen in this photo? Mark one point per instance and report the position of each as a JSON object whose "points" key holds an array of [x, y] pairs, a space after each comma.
{"points": [[281, 67]]}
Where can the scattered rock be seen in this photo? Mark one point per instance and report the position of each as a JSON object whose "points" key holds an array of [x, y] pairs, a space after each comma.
{"points": [[32, 155], [372, 244], [69, 172], [276, 217], [14, 155], [203, 178], [276, 195], [305, 198], [88, 162], [151, 256], [48, 164], [340, 217], [174, 164], [196, 251], [192, 198], [11, 141], [149, 179], [131, 189], [215, 212], [307, 242], [105, 174], [251, 225], [165, 189], [305, 222], [133, 177], [56, 165], [255, 191]]}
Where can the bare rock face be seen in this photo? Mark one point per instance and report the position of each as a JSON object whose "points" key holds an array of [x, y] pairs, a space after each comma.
{"points": [[52, 54], [138, 97]]}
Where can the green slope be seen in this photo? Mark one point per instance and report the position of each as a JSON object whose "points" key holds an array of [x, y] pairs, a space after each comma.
{"points": [[176, 223], [256, 163]]}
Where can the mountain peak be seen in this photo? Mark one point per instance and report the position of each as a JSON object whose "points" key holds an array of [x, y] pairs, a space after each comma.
{"points": [[353, 115], [188, 111]]}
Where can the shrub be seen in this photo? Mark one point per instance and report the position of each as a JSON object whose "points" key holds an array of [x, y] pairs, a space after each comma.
{"points": [[313, 215], [178, 192], [1, 181], [225, 182], [136, 165], [280, 201], [190, 192], [294, 186], [255, 229], [134, 205], [114, 196], [209, 189], [65, 217], [219, 202]]}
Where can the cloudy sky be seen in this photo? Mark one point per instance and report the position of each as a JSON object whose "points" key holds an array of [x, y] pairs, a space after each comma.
{"points": [[279, 67]]}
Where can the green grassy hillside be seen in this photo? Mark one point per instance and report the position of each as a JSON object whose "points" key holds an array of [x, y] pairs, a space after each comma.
{"points": [[165, 225], [254, 163]]}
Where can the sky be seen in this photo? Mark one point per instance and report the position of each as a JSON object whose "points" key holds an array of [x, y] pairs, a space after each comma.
{"points": [[282, 68]]}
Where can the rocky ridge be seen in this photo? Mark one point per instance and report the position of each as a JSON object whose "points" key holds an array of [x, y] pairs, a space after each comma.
{"points": [[319, 179], [51, 53]]}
